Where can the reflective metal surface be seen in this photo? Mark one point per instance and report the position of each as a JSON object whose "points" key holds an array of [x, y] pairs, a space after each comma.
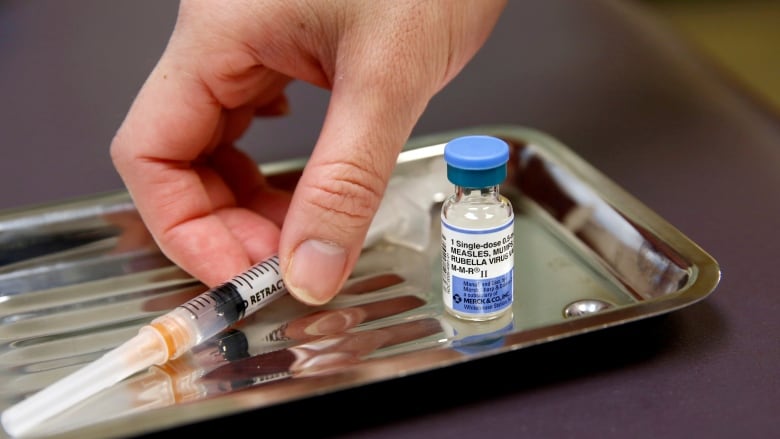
{"points": [[79, 277]]}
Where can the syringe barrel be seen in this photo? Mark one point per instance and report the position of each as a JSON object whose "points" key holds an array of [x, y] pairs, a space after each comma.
{"points": [[216, 309], [165, 338]]}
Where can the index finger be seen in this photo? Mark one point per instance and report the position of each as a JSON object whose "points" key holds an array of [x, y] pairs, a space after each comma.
{"points": [[190, 210]]}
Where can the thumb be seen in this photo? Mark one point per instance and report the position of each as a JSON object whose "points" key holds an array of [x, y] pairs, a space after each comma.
{"points": [[343, 183]]}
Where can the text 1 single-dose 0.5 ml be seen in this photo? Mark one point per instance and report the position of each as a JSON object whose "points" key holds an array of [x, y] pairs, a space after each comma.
{"points": [[477, 230]]}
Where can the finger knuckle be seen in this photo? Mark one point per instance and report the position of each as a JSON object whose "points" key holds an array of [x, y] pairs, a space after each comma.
{"points": [[347, 194]]}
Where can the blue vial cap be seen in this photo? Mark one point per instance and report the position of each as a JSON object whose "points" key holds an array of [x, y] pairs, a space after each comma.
{"points": [[476, 161]]}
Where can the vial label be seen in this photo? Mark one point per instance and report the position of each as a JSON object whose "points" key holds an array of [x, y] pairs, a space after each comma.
{"points": [[478, 268]]}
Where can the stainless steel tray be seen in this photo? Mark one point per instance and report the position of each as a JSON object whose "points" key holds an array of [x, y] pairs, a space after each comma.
{"points": [[77, 278]]}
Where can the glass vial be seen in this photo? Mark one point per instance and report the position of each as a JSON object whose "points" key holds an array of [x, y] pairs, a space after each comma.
{"points": [[477, 231]]}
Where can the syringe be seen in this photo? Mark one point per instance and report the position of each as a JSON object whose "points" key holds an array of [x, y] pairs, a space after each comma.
{"points": [[164, 338]]}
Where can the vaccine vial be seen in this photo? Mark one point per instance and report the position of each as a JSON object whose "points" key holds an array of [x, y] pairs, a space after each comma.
{"points": [[477, 231]]}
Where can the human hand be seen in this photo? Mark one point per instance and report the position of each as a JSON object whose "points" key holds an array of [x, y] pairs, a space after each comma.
{"points": [[206, 203]]}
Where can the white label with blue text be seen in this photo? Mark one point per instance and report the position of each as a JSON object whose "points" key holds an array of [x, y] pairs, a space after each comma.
{"points": [[477, 268]]}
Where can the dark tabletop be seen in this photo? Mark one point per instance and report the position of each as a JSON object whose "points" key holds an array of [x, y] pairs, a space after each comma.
{"points": [[606, 78]]}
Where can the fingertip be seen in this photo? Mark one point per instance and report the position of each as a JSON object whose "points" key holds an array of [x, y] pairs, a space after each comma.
{"points": [[316, 271]]}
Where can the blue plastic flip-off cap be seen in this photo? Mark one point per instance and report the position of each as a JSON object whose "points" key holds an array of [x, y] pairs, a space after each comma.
{"points": [[476, 161]]}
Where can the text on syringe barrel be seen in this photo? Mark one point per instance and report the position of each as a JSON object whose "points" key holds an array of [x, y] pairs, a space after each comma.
{"points": [[220, 307]]}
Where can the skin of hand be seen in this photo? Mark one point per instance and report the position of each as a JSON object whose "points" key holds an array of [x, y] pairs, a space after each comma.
{"points": [[206, 203]]}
